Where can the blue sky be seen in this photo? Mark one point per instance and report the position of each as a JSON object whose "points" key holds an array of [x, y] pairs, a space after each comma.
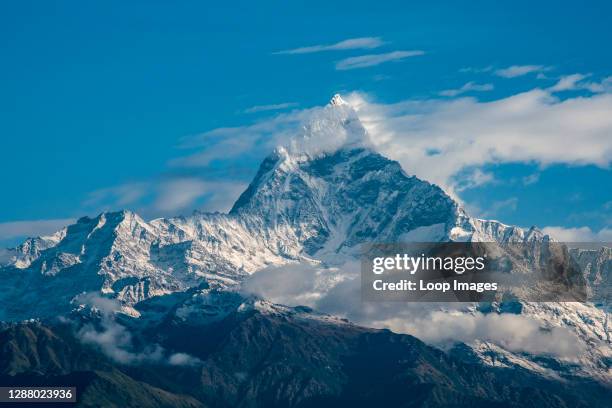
{"points": [[100, 101]]}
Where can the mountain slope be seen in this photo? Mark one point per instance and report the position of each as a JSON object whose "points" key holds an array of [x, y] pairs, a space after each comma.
{"points": [[263, 355]]}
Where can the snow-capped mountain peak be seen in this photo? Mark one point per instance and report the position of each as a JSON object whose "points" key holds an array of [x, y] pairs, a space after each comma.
{"points": [[337, 100], [328, 129]]}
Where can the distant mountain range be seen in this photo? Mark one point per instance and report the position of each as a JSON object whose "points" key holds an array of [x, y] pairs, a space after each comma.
{"points": [[170, 288]]}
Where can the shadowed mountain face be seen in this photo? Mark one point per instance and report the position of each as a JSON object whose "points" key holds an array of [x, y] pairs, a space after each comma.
{"points": [[352, 195], [261, 355]]}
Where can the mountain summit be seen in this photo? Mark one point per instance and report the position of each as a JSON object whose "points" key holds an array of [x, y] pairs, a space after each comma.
{"points": [[337, 100], [327, 129]]}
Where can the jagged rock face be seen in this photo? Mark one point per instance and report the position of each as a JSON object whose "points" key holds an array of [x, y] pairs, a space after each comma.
{"points": [[597, 267], [342, 199], [99, 254]]}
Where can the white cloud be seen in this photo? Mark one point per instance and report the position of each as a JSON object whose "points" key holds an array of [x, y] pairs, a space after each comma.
{"points": [[579, 234], [183, 359], [567, 83], [577, 82], [474, 178], [261, 136], [115, 340], [221, 195], [313, 129], [371, 60], [32, 228], [513, 332], [121, 196], [181, 193], [294, 284], [465, 133], [532, 126], [350, 44], [604, 86], [496, 207], [338, 291], [468, 87], [178, 194], [531, 179], [273, 107], [519, 70], [474, 70], [110, 337], [168, 196]]}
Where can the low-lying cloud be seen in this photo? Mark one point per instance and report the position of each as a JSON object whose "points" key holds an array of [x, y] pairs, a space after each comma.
{"points": [[115, 340], [512, 332], [338, 291]]}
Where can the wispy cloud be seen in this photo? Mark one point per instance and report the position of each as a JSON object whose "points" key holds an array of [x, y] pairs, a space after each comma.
{"points": [[472, 179], [567, 83], [475, 70], [519, 70], [467, 133], [350, 44], [178, 194], [531, 179], [182, 194], [169, 195], [497, 207], [464, 133], [123, 196], [579, 234], [577, 82], [371, 60], [469, 87], [272, 107], [32, 228], [604, 85]]}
